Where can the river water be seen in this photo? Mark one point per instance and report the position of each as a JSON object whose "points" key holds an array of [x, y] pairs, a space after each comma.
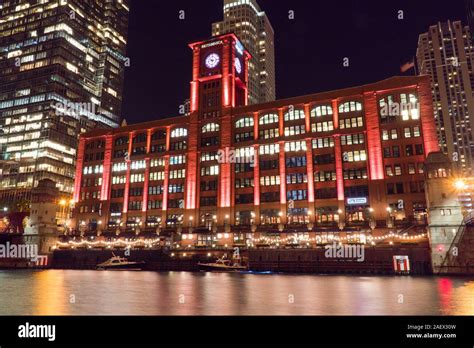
{"points": [[69, 292]]}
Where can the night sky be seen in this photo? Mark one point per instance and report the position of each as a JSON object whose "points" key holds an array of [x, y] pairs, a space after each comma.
{"points": [[309, 49]]}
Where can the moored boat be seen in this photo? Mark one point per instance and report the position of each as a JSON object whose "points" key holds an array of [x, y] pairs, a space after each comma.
{"points": [[223, 265], [120, 263]]}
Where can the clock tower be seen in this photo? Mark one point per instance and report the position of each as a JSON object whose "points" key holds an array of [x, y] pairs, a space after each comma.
{"points": [[219, 84], [220, 75]]}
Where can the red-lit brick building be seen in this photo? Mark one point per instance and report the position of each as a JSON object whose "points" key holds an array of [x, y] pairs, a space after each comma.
{"points": [[353, 155]]}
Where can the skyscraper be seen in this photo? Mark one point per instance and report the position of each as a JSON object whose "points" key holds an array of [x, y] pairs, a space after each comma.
{"points": [[252, 26], [470, 15], [61, 74], [446, 54]]}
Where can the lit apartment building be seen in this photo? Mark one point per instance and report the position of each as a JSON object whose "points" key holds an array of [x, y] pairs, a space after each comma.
{"points": [[347, 156], [446, 54], [245, 19], [61, 74]]}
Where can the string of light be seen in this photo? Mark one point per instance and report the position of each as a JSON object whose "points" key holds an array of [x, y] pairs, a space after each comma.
{"points": [[358, 237]]}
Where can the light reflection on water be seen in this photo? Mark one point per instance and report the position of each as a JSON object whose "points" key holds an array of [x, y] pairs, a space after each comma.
{"points": [[67, 292]]}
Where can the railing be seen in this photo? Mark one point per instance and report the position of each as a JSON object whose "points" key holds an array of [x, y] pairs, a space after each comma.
{"points": [[457, 238], [407, 228]]}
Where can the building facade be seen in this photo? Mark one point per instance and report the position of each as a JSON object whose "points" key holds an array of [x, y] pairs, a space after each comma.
{"points": [[333, 159], [445, 212], [446, 54], [61, 74], [245, 19]]}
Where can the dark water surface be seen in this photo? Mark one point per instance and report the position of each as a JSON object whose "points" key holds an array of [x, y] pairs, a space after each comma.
{"points": [[68, 292]]}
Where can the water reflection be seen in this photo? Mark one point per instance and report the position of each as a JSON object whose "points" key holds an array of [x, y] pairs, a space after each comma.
{"points": [[58, 292]]}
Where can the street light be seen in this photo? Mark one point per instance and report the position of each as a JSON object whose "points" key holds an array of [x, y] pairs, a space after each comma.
{"points": [[460, 184]]}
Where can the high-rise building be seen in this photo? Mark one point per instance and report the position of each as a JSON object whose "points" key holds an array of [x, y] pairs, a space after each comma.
{"points": [[446, 54], [313, 162], [245, 19], [61, 74], [470, 16]]}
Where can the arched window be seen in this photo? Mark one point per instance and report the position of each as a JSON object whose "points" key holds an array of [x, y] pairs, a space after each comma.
{"points": [[159, 134], [139, 138], [179, 132], [294, 114], [121, 141], [350, 106], [268, 119], [210, 127], [244, 122], [321, 110]]}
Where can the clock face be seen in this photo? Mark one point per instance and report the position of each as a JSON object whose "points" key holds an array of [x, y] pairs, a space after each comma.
{"points": [[212, 60], [238, 66]]}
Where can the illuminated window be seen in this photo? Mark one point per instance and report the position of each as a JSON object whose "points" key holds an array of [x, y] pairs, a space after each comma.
{"points": [[157, 162], [409, 106], [407, 132], [120, 179], [211, 170], [244, 122], [119, 167], [177, 174], [323, 143], [352, 139], [138, 165], [154, 176], [353, 122], [270, 180], [326, 126], [321, 176], [297, 178], [268, 119], [181, 159], [350, 106], [321, 110], [210, 127], [354, 156], [179, 132], [293, 114], [295, 130], [209, 156], [269, 133], [416, 131], [294, 146], [269, 149], [137, 178]]}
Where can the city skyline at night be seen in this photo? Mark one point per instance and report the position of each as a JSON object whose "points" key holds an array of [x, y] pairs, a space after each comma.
{"points": [[291, 163]]}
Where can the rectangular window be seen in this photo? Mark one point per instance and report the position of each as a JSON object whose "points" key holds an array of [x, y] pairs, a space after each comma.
{"points": [[397, 169], [178, 174], [394, 134], [396, 151], [419, 149], [407, 132], [416, 131], [322, 143]]}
